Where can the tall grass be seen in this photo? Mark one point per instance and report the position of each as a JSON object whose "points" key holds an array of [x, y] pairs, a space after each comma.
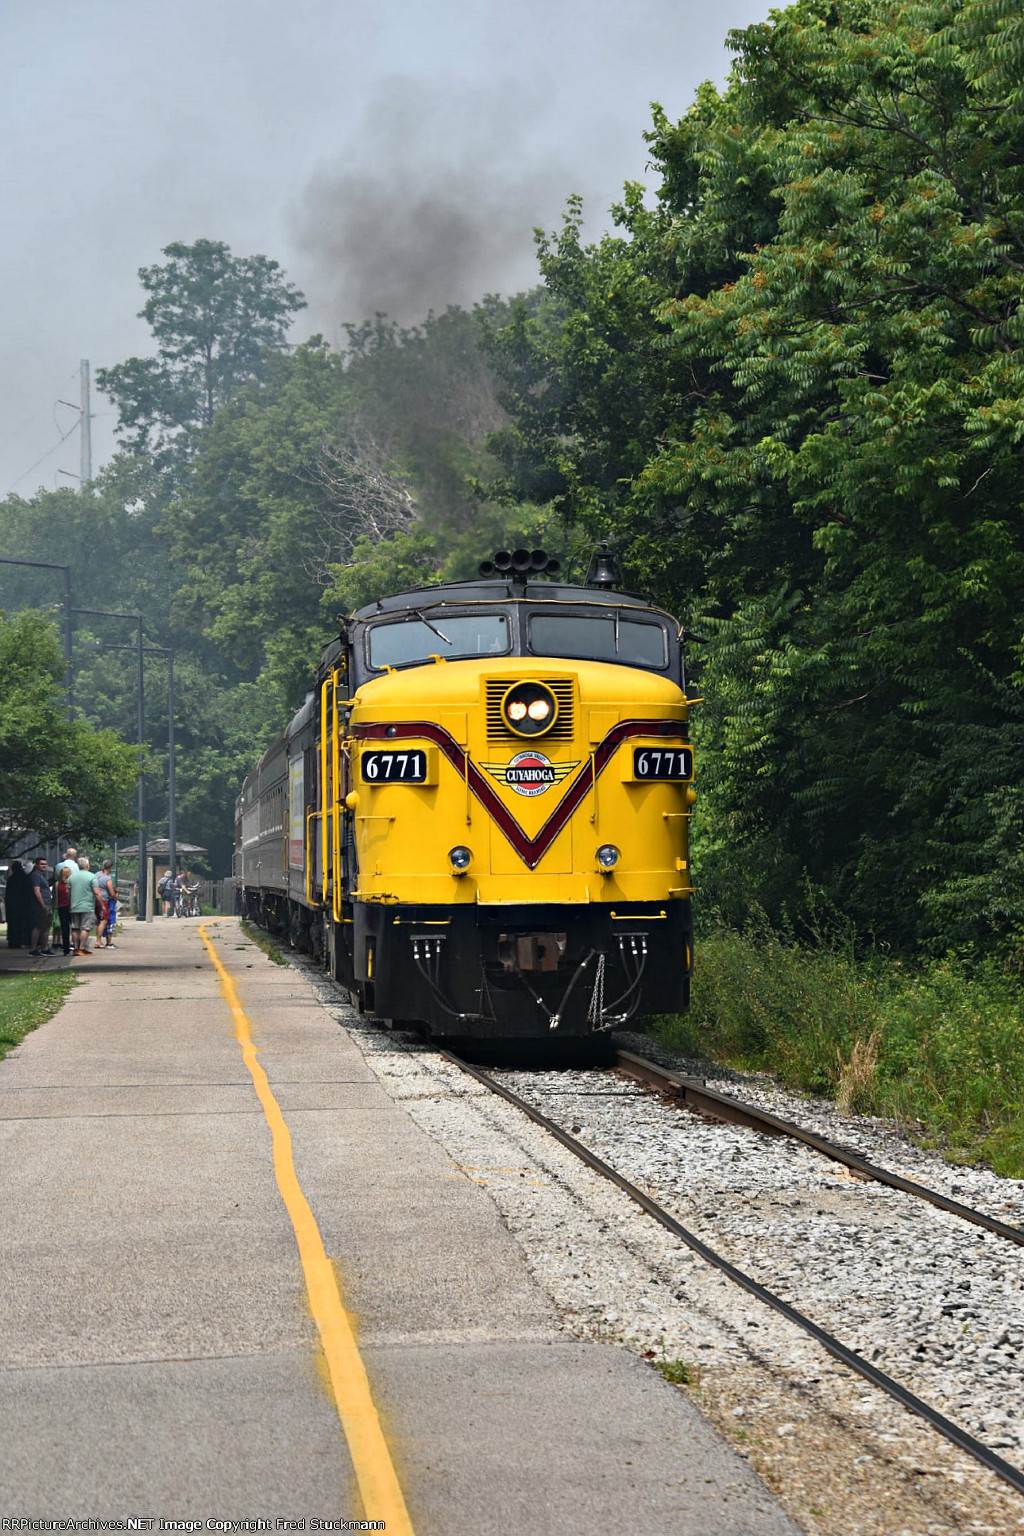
{"points": [[29, 1000], [932, 1045]]}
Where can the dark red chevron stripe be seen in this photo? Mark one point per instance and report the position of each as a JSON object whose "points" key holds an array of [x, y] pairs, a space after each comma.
{"points": [[530, 849]]}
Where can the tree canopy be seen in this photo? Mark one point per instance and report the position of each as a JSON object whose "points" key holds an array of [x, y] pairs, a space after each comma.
{"points": [[793, 393], [788, 384], [373, 455], [58, 777], [214, 317], [324, 478]]}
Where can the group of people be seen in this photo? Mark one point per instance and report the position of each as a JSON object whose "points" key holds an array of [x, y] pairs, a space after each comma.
{"points": [[70, 902], [72, 908], [174, 891]]}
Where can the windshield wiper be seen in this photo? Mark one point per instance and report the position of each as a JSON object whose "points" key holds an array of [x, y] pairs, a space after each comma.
{"points": [[424, 620]]}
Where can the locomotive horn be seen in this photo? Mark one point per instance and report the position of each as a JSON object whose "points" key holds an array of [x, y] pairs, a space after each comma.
{"points": [[520, 563]]}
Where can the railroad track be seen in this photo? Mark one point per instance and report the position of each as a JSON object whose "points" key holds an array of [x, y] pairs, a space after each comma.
{"points": [[695, 1094], [707, 1101]]}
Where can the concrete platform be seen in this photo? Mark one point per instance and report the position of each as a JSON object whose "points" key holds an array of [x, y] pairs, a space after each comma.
{"points": [[157, 1353]]}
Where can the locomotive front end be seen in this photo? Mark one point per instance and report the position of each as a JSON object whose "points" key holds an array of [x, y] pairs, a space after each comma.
{"points": [[510, 852]]}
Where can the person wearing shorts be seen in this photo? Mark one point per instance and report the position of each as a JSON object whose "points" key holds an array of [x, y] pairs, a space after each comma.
{"points": [[108, 891], [83, 905]]}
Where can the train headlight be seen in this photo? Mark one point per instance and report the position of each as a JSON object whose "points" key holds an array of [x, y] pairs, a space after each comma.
{"points": [[529, 709], [608, 856], [460, 859]]}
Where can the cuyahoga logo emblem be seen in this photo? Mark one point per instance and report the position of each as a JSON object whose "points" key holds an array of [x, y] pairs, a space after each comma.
{"points": [[529, 772]]}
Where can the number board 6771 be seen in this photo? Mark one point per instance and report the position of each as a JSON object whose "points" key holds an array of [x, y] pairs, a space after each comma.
{"points": [[408, 766], [672, 763]]}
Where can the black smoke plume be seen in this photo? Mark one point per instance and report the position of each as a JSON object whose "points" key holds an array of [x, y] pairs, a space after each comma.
{"points": [[436, 204]]}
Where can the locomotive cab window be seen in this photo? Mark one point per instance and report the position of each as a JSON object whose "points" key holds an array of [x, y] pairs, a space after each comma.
{"points": [[404, 642], [599, 638]]}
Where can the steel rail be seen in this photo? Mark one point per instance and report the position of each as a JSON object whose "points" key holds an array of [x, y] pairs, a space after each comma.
{"points": [[696, 1095], [952, 1432]]}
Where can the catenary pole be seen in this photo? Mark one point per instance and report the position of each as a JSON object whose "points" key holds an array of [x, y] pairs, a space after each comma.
{"points": [[86, 424], [171, 827], [164, 650], [143, 868], [69, 668]]}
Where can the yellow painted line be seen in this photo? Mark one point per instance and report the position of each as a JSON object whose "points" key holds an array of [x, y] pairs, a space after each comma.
{"points": [[375, 1473]]}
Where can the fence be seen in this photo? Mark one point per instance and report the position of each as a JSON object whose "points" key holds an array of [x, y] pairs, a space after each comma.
{"points": [[218, 895]]}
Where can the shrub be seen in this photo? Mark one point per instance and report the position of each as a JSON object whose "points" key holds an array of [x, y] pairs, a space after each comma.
{"points": [[940, 1046]]}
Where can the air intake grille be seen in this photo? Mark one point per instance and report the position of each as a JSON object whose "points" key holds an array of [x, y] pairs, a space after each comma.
{"points": [[562, 730]]}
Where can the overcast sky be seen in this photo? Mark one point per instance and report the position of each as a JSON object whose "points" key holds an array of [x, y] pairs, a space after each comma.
{"points": [[390, 154]]}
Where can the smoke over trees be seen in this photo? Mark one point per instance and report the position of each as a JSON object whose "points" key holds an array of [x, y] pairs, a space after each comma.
{"points": [[443, 209]]}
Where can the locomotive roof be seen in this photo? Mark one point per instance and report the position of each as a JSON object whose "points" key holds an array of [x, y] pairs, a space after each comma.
{"points": [[501, 590]]}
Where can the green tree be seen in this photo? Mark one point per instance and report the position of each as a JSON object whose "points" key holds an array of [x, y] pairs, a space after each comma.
{"points": [[247, 531], [105, 534], [214, 317], [375, 457], [815, 443], [869, 420], [57, 777]]}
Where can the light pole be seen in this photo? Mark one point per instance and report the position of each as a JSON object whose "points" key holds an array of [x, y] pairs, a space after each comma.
{"points": [[47, 565], [161, 650], [171, 827], [139, 648]]}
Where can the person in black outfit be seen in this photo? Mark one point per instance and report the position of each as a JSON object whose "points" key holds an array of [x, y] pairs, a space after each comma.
{"points": [[42, 908], [19, 902]]}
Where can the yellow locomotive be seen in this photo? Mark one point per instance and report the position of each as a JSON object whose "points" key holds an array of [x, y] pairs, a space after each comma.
{"points": [[479, 818]]}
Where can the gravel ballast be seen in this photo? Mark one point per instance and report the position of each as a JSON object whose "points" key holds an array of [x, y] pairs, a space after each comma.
{"points": [[929, 1299]]}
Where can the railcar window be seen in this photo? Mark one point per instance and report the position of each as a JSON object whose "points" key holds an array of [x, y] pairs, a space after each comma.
{"points": [[599, 639], [410, 640]]}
